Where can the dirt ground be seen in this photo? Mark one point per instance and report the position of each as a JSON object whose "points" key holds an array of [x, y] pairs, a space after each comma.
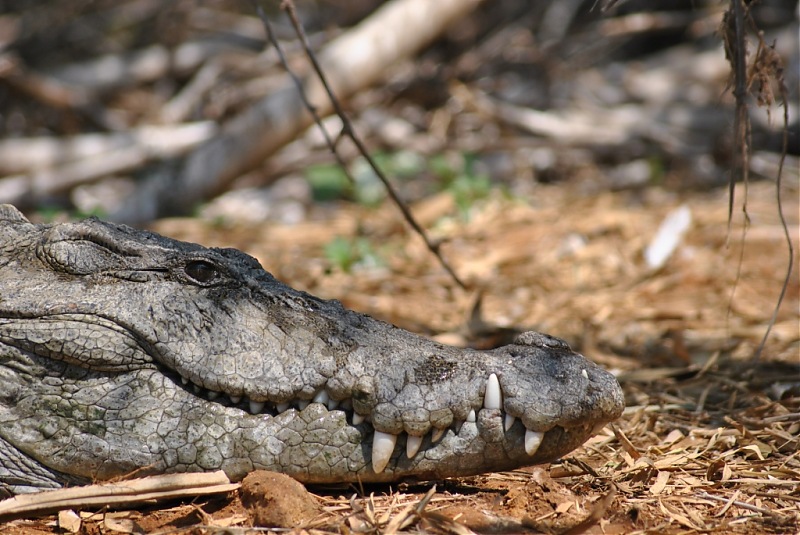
{"points": [[710, 439]]}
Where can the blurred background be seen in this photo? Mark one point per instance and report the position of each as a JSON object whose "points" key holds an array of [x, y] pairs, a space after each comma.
{"points": [[571, 158]]}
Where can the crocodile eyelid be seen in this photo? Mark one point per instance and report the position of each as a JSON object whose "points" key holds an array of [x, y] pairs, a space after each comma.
{"points": [[59, 254], [97, 235]]}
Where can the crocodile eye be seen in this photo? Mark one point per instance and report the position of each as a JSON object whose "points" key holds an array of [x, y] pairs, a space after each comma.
{"points": [[201, 271]]}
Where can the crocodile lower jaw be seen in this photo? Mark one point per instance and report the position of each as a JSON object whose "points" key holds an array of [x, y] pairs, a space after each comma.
{"points": [[383, 443]]}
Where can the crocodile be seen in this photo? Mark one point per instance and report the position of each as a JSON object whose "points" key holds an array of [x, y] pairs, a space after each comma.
{"points": [[125, 352]]}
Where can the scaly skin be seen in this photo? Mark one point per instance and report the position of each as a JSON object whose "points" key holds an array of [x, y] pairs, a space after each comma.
{"points": [[122, 351]]}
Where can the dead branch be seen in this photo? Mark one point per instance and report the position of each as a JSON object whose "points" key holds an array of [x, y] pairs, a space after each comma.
{"points": [[25, 155], [47, 166], [53, 92], [182, 104], [353, 61], [125, 493], [114, 71]]}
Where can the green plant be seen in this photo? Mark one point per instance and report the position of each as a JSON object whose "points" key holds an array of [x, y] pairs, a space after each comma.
{"points": [[328, 182], [347, 253], [462, 181]]}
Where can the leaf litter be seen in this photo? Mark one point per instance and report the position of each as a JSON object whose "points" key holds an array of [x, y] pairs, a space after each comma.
{"points": [[710, 440]]}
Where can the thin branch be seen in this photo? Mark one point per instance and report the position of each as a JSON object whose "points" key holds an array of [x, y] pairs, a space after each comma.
{"points": [[781, 215], [272, 38], [124, 493], [349, 131], [766, 66]]}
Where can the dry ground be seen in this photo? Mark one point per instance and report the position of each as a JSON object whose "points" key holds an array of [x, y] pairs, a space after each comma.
{"points": [[709, 441]]}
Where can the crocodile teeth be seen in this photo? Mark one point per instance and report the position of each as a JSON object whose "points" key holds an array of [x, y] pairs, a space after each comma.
{"points": [[382, 448], [437, 434], [256, 407], [533, 439], [493, 399], [585, 374], [212, 395], [471, 416], [282, 407], [184, 380], [302, 404], [357, 418], [236, 399], [332, 404], [509, 421], [412, 445], [321, 397]]}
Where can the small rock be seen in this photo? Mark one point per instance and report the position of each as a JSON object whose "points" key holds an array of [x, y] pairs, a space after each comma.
{"points": [[277, 500]]}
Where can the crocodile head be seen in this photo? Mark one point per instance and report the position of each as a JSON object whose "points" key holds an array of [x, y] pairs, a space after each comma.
{"points": [[123, 351]]}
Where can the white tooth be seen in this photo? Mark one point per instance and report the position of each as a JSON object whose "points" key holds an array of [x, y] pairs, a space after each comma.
{"points": [[471, 416], [184, 380], [357, 418], [509, 421], [321, 397], [282, 407], [332, 404], [493, 399], [412, 445], [302, 404], [585, 374], [532, 441], [236, 399], [437, 434], [256, 407], [212, 395], [196, 389], [382, 448]]}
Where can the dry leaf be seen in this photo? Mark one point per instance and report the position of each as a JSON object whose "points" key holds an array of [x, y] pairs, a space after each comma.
{"points": [[660, 484], [69, 521]]}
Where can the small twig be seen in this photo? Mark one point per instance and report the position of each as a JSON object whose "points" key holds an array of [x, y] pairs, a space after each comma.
{"points": [[349, 131], [737, 503], [598, 512]]}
